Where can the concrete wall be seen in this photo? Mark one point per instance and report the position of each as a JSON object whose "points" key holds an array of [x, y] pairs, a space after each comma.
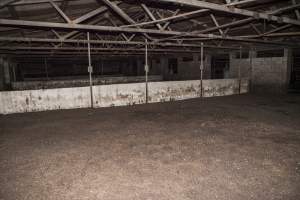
{"points": [[35, 85], [187, 70], [7, 73], [269, 74], [179, 90], [266, 74], [224, 87], [245, 67], [173, 90], [114, 95], [191, 69], [5, 78], [1, 75], [119, 94], [40, 100]]}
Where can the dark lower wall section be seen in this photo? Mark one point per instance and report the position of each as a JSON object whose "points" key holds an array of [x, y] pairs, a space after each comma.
{"points": [[185, 67], [1, 75], [5, 74], [58, 73], [34, 85]]}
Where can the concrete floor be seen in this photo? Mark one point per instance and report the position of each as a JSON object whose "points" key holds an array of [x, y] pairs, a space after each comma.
{"points": [[238, 147]]}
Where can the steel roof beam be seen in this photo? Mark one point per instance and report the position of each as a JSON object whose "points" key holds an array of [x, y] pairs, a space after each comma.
{"points": [[119, 11], [241, 2], [216, 23], [152, 17], [237, 11], [72, 49], [122, 14], [5, 3], [97, 28], [85, 17], [167, 19], [62, 14], [31, 2], [72, 41]]}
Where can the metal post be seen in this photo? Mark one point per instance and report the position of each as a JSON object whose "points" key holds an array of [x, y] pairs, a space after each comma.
{"points": [[146, 68], [201, 71], [90, 70], [240, 70]]}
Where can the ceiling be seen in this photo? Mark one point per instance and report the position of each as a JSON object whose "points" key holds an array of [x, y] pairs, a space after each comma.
{"points": [[60, 27]]}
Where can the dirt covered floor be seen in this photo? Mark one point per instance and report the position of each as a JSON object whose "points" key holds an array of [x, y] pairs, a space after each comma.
{"points": [[237, 147]]}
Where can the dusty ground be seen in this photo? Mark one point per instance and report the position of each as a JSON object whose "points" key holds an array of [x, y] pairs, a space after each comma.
{"points": [[239, 147]]}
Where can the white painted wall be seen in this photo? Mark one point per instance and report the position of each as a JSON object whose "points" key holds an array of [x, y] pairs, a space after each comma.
{"points": [[41, 100], [114, 95], [119, 94], [173, 90]]}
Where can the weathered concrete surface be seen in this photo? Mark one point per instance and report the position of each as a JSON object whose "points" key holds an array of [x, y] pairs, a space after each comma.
{"points": [[119, 94], [223, 87], [173, 90], [179, 90], [41, 100], [35, 85], [1, 75], [114, 95]]}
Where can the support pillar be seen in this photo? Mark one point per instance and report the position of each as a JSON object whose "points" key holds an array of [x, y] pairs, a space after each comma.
{"points": [[7, 78], [146, 70], [5, 74], [288, 54], [90, 70], [1, 74], [164, 67], [239, 71], [201, 70], [252, 56]]}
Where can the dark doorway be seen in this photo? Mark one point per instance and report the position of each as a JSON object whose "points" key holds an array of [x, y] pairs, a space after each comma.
{"points": [[219, 66]]}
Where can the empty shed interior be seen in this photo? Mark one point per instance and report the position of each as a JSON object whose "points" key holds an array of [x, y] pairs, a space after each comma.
{"points": [[57, 56]]}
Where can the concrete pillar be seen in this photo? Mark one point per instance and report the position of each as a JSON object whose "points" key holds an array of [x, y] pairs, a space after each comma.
{"points": [[288, 54], [13, 71], [234, 64], [232, 55], [207, 67], [252, 54], [157, 67], [195, 57], [5, 74], [140, 67], [1, 74], [164, 66], [7, 78]]}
